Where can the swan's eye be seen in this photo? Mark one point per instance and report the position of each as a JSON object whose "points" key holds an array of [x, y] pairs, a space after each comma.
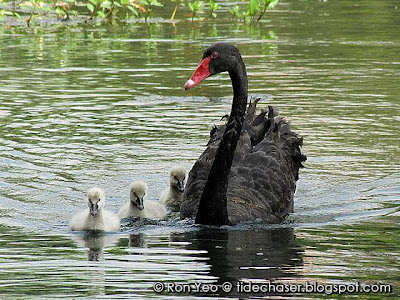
{"points": [[214, 55], [99, 199]]}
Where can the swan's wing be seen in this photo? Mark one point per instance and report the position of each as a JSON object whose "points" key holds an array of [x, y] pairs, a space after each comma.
{"points": [[262, 185], [264, 171]]}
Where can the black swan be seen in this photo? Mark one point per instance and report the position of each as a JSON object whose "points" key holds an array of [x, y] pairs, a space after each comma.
{"points": [[250, 167]]}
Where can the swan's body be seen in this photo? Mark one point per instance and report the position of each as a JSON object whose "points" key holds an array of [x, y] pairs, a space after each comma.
{"points": [[95, 217], [172, 196], [139, 206], [250, 167]]}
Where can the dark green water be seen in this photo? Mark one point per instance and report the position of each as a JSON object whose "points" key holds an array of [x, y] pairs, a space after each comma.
{"points": [[92, 104]]}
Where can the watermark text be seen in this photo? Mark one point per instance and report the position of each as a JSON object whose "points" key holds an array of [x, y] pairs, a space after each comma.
{"points": [[269, 287]]}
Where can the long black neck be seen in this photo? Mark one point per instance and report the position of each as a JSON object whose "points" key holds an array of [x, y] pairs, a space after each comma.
{"points": [[213, 203]]}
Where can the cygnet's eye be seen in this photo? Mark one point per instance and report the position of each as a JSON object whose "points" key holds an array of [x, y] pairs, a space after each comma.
{"points": [[214, 55], [99, 199]]}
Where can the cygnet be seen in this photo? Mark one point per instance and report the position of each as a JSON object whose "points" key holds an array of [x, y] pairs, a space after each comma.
{"points": [[172, 196], [139, 206], [95, 217]]}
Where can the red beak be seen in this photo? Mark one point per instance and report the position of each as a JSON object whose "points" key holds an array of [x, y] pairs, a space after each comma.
{"points": [[201, 73]]}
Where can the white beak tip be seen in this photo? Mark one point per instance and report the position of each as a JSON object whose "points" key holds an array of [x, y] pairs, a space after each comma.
{"points": [[189, 84]]}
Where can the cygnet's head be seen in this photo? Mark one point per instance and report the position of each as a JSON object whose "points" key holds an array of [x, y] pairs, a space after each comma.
{"points": [[96, 200], [138, 190], [177, 177]]}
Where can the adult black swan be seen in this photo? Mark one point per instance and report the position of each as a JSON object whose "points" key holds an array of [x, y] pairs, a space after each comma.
{"points": [[250, 167]]}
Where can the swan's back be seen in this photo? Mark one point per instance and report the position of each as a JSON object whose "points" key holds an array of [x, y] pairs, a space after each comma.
{"points": [[107, 221], [155, 210], [265, 168]]}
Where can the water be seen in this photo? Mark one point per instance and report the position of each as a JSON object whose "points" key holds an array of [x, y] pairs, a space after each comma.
{"points": [[92, 104]]}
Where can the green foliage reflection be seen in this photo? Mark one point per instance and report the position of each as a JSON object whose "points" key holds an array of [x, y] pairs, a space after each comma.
{"points": [[106, 10]]}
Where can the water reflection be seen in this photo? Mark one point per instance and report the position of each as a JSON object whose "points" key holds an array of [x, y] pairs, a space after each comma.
{"points": [[137, 241], [95, 242], [246, 255]]}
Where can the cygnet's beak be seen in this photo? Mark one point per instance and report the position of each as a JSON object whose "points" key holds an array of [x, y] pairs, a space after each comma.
{"points": [[94, 209], [139, 203], [181, 186]]}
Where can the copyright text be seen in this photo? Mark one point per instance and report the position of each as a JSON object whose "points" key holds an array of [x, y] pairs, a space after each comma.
{"points": [[269, 287]]}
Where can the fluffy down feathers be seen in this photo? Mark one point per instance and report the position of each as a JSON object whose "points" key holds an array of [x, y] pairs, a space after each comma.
{"points": [[95, 217], [139, 206]]}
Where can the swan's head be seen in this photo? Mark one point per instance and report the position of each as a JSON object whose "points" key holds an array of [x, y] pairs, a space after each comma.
{"points": [[96, 200], [177, 177], [138, 190], [217, 58]]}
